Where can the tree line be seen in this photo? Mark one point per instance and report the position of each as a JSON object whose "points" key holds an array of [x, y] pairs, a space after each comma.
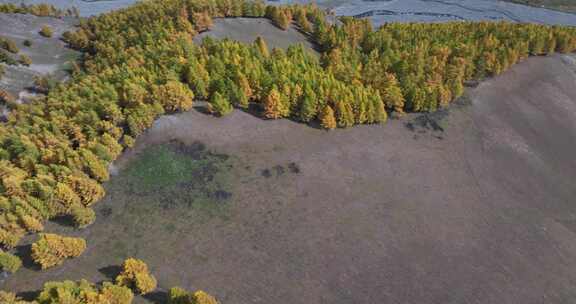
{"points": [[134, 277]]}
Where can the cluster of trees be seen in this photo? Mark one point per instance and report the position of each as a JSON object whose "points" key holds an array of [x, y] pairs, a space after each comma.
{"points": [[51, 249], [140, 62], [421, 67], [42, 10], [81, 292], [134, 277]]}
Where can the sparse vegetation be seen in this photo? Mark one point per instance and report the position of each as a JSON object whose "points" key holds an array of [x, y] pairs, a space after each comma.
{"points": [[46, 31], [25, 60], [9, 45], [42, 10], [178, 295]]}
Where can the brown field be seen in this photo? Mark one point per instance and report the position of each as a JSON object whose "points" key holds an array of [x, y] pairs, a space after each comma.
{"points": [[472, 204]]}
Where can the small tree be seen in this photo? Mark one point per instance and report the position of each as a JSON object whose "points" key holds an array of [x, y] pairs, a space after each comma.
{"points": [[177, 295], [52, 249], [9, 45], [82, 216], [274, 105], [9, 263], [219, 105], [262, 46], [25, 60], [135, 275], [46, 31], [327, 120]]}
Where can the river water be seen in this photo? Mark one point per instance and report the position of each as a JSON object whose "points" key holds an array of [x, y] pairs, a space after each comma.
{"points": [[381, 11]]}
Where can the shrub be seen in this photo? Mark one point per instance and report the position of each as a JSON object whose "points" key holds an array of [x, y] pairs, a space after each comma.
{"points": [[46, 31], [9, 45], [52, 249], [9, 263], [25, 60], [177, 295], [136, 276], [82, 216]]}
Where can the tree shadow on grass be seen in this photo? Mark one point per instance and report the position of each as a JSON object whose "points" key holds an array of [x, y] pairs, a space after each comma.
{"points": [[111, 272], [157, 297], [24, 252], [28, 295]]}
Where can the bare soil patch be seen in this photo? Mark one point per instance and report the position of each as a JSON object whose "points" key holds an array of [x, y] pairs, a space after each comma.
{"points": [[248, 29], [371, 214]]}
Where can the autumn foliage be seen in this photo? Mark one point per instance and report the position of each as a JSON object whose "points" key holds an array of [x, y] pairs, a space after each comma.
{"points": [[140, 63], [135, 275], [51, 249], [84, 292], [9, 262], [177, 295]]}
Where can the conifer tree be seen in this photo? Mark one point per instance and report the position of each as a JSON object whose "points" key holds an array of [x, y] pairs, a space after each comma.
{"points": [[262, 46], [308, 106], [392, 94], [327, 119], [274, 105], [219, 105]]}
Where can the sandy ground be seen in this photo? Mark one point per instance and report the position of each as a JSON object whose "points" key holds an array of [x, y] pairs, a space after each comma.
{"points": [[248, 29], [482, 212], [49, 55]]}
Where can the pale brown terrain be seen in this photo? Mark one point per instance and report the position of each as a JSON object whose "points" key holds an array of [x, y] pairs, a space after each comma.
{"points": [[474, 204], [49, 55]]}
